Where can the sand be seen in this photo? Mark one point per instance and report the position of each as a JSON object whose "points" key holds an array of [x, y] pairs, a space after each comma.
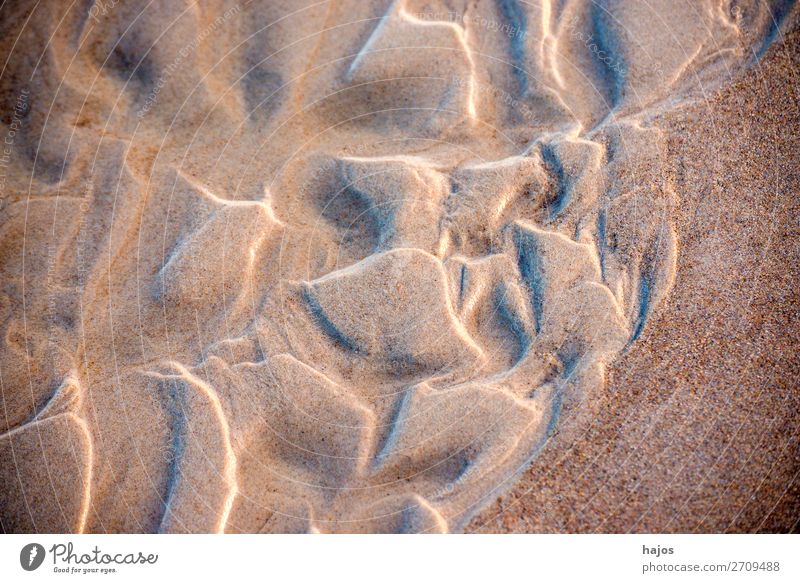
{"points": [[698, 431], [399, 266]]}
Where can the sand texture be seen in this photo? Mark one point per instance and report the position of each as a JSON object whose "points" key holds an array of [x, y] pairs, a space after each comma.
{"points": [[397, 265]]}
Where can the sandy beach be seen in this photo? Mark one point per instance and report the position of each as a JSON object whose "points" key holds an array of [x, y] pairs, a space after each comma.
{"points": [[399, 266]]}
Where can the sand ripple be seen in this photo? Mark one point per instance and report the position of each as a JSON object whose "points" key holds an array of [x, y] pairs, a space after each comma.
{"points": [[328, 267]]}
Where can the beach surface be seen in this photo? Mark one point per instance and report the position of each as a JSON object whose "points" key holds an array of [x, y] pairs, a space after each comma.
{"points": [[399, 266]]}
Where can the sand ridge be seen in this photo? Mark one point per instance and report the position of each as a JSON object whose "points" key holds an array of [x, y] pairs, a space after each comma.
{"points": [[309, 266]]}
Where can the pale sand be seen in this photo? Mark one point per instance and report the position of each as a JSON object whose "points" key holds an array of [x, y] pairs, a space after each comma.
{"points": [[699, 430], [332, 267]]}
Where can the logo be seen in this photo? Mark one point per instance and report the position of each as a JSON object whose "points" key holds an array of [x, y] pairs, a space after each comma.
{"points": [[31, 556]]}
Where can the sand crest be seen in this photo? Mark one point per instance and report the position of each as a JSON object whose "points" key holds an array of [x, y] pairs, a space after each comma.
{"points": [[328, 266]]}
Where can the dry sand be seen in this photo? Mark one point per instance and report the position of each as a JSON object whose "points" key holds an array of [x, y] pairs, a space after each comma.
{"points": [[699, 430], [367, 266]]}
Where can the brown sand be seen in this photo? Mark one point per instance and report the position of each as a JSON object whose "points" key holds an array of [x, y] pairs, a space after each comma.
{"points": [[354, 266], [699, 430]]}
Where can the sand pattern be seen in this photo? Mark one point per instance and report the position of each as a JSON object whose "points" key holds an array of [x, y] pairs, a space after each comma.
{"points": [[329, 266]]}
